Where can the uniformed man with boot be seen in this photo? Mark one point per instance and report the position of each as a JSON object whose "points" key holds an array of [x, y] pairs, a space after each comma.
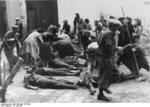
{"points": [[107, 51]]}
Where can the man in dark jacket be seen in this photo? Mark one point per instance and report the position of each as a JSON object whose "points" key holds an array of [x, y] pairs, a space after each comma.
{"points": [[106, 55], [66, 27], [75, 22]]}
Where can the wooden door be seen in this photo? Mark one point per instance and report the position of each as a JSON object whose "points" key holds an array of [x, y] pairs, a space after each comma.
{"points": [[31, 21], [41, 13]]}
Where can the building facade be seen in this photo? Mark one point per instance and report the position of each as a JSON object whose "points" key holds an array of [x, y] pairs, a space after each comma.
{"points": [[33, 14], [42, 13]]}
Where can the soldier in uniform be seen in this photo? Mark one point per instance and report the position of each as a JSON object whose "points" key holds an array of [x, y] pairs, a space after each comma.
{"points": [[106, 55], [33, 81]]}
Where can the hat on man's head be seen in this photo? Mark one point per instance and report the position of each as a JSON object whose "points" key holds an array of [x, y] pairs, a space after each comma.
{"points": [[17, 19], [15, 27], [47, 35], [52, 29], [114, 22]]}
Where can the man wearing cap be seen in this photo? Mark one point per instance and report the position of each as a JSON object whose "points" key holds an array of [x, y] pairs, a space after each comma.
{"points": [[66, 27], [76, 22], [106, 54], [20, 29], [98, 27], [9, 44]]}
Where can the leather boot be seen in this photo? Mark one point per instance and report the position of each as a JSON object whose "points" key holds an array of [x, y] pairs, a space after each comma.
{"points": [[107, 91], [101, 96]]}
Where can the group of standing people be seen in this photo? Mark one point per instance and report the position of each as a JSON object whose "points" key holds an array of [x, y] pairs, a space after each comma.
{"points": [[107, 34]]}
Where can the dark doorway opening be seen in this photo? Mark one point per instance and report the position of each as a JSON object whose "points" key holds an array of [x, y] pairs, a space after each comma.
{"points": [[41, 13], [3, 24]]}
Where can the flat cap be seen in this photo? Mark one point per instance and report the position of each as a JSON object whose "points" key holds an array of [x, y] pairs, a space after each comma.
{"points": [[114, 22], [15, 26], [17, 19]]}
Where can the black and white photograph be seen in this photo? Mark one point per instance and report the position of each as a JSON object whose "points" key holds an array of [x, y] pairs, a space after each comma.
{"points": [[74, 51]]}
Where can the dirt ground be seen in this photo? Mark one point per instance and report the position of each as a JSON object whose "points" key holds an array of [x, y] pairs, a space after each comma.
{"points": [[129, 91]]}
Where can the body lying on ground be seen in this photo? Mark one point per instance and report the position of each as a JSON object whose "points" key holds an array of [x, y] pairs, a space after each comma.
{"points": [[52, 71], [33, 81]]}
